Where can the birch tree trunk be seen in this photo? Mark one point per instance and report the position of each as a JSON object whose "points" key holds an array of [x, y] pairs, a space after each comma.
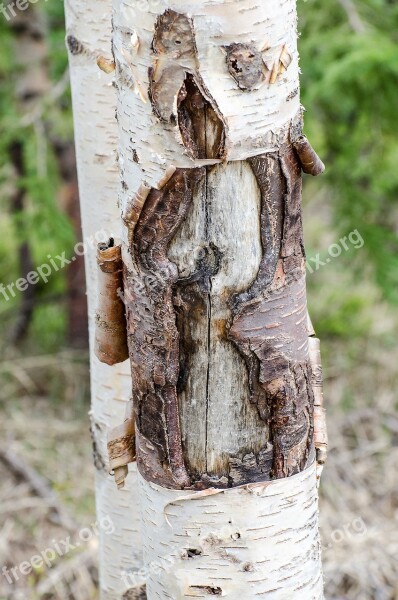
{"points": [[226, 391], [94, 101]]}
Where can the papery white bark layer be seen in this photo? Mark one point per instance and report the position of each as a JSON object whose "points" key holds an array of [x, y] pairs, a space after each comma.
{"points": [[94, 100], [253, 119], [255, 541]]}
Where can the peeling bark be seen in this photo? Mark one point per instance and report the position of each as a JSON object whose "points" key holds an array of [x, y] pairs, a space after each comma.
{"points": [[110, 321], [309, 160], [320, 430], [121, 446]]}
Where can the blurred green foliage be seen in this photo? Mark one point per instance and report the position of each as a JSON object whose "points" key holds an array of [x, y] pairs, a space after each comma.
{"points": [[349, 86], [42, 223]]}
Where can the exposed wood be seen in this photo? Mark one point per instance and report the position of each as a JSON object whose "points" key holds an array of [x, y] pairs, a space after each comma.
{"points": [[217, 251]]}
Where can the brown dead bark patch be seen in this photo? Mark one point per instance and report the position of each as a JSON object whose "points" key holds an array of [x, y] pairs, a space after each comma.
{"points": [[135, 594], [245, 65], [270, 319]]}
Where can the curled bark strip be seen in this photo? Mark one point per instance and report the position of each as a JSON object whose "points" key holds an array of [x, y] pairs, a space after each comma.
{"points": [[279, 65], [121, 447], [107, 65], [309, 160], [320, 429], [270, 320], [152, 331], [110, 321], [133, 210]]}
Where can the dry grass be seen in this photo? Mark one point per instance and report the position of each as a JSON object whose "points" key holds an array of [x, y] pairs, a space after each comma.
{"points": [[49, 432]]}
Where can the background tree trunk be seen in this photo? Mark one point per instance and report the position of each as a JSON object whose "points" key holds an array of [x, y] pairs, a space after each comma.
{"points": [[89, 35], [31, 56], [211, 153]]}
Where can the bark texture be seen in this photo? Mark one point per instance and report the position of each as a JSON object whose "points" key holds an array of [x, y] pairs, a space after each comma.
{"points": [[170, 311], [94, 100], [256, 541], [270, 319]]}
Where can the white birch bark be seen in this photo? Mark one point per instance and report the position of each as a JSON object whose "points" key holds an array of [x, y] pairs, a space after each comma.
{"points": [[89, 35], [257, 540], [254, 541]]}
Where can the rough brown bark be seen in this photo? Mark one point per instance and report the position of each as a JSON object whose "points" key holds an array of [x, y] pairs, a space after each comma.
{"points": [[152, 331], [270, 320]]}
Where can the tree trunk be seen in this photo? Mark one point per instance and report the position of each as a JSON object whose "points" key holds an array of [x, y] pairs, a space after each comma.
{"points": [[32, 84], [211, 154], [77, 329], [89, 35]]}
